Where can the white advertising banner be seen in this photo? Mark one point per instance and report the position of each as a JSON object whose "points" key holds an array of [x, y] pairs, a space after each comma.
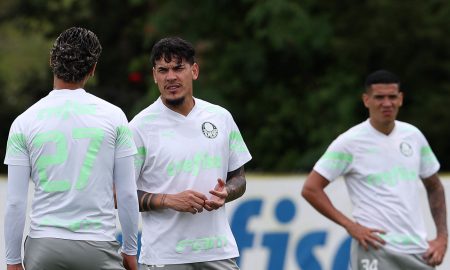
{"points": [[277, 230]]}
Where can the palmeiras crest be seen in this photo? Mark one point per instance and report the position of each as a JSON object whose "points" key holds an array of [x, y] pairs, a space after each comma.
{"points": [[209, 130], [406, 149]]}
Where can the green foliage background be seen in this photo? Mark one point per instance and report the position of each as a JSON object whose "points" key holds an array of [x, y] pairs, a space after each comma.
{"points": [[291, 72]]}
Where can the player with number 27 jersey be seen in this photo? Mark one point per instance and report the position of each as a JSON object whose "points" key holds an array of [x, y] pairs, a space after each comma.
{"points": [[62, 138]]}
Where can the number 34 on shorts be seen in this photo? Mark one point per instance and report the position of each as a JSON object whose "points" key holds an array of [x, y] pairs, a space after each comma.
{"points": [[367, 264]]}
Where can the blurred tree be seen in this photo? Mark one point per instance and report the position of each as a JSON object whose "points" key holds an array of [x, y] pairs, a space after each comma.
{"points": [[291, 72]]}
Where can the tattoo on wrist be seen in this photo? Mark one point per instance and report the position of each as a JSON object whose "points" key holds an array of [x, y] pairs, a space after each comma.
{"points": [[151, 201], [151, 205], [163, 200]]}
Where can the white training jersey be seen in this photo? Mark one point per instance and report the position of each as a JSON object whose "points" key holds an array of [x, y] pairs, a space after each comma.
{"points": [[70, 139], [176, 153], [383, 175]]}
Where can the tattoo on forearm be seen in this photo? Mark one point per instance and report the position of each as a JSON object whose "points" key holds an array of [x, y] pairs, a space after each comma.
{"points": [[236, 184], [436, 198]]}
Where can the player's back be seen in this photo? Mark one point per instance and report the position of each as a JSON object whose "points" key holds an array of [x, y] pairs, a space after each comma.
{"points": [[72, 139]]}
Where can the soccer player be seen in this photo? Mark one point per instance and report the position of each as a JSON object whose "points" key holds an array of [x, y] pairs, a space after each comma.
{"points": [[75, 147], [191, 158], [383, 161]]}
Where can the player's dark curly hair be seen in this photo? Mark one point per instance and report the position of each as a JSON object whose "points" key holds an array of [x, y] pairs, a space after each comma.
{"points": [[173, 47], [74, 53], [381, 76]]}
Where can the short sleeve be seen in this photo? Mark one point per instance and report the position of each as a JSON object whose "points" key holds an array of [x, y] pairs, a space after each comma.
{"points": [[140, 157], [124, 145], [336, 161], [429, 164], [239, 153], [16, 147]]}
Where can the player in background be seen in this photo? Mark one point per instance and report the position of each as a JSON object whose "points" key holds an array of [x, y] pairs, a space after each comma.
{"points": [[75, 147], [383, 162]]}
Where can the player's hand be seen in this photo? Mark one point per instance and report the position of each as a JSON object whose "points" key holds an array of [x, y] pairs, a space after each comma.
{"points": [[218, 196], [186, 201], [14, 266], [436, 251], [366, 236], [129, 261]]}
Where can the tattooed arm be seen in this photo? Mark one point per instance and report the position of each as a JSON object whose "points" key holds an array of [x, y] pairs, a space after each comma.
{"points": [[147, 201], [226, 192], [186, 201], [236, 184], [436, 198], [193, 201]]}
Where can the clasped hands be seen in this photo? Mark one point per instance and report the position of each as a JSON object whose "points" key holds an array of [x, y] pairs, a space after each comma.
{"points": [[194, 202]]}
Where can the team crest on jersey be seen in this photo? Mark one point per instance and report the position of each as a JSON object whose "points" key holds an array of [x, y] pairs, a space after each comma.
{"points": [[406, 149], [209, 130]]}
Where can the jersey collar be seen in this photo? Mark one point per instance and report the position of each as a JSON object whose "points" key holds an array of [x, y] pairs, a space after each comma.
{"points": [[170, 112], [67, 92]]}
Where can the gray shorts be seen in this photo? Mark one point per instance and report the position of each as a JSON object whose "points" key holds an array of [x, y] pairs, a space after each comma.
{"points": [[381, 259], [227, 264], [56, 254]]}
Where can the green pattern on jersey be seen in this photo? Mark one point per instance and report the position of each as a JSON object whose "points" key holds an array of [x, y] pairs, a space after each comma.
{"points": [[96, 135], [139, 158], [392, 177], [60, 156], [124, 136], [201, 161], [237, 142], [427, 155], [74, 225], [67, 109], [16, 144], [201, 244], [336, 160], [58, 138]]}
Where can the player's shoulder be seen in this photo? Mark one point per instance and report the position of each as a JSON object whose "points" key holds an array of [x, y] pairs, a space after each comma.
{"points": [[409, 130], [30, 113], [210, 108], [147, 116], [106, 105], [357, 131], [406, 127]]}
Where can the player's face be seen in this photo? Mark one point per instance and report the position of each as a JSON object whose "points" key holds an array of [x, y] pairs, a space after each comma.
{"points": [[383, 102], [174, 80]]}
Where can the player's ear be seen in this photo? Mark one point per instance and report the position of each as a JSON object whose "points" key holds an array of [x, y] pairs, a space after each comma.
{"points": [[195, 70], [92, 72], [365, 99], [154, 75]]}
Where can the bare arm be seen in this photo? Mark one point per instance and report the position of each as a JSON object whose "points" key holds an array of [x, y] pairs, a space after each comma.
{"points": [[224, 192], [436, 198], [313, 192], [235, 184], [14, 266], [193, 201], [186, 201]]}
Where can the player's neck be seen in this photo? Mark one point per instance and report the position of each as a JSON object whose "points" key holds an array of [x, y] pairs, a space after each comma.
{"points": [[59, 84], [185, 108], [385, 128]]}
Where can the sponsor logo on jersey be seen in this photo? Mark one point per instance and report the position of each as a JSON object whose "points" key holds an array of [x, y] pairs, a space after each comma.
{"points": [[209, 130], [392, 177], [201, 161], [201, 244]]}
